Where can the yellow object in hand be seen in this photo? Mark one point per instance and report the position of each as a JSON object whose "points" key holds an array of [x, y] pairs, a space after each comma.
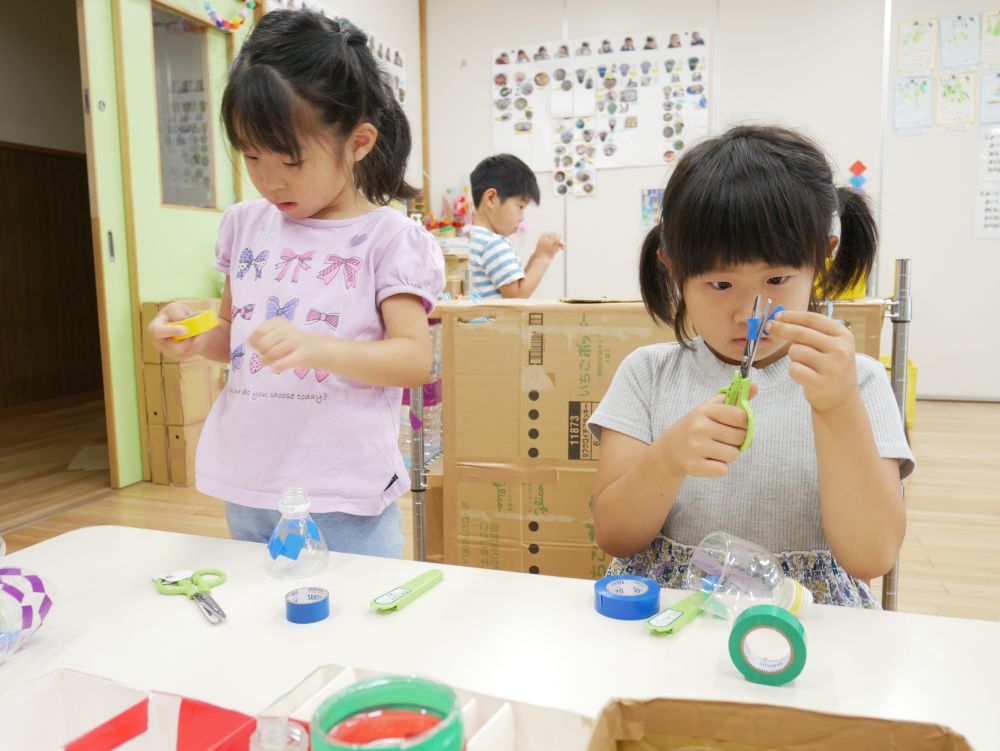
{"points": [[196, 323]]}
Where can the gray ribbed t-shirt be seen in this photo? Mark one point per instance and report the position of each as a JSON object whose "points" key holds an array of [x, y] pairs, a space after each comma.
{"points": [[770, 495]]}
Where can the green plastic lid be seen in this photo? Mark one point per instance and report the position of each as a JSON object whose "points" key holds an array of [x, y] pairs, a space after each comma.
{"points": [[392, 692]]}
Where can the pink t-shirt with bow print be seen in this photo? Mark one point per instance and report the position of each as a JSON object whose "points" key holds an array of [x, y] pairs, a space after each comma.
{"points": [[308, 428]]}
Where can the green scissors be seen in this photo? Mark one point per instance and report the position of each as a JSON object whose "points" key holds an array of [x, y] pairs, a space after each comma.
{"points": [[195, 585], [738, 391]]}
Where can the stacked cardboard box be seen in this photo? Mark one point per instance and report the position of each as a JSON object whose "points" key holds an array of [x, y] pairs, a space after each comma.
{"points": [[520, 381], [178, 399]]}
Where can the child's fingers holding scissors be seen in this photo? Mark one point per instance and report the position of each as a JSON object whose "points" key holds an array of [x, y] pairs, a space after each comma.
{"points": [[707, 439]]}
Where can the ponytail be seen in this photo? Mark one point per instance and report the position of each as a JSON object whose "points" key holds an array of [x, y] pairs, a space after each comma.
{"points": [[660, 294], [381, 175], [858, 245]]}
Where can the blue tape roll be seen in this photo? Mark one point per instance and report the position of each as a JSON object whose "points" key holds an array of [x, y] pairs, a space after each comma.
{"points": [[627, 598], [307, 605]]}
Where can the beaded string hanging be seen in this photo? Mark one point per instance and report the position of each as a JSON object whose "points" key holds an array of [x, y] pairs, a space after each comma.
{"points": [[238, 20]]}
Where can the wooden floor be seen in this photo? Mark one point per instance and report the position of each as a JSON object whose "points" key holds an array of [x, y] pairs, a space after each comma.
{"points": [[949, 565]]}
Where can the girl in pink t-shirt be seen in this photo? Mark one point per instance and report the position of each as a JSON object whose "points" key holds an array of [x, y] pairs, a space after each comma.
{"points": [[324, 310]]}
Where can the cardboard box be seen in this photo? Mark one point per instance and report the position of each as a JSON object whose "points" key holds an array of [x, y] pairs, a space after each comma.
{"points": [[662, 724], [434, 512], [181, 393], [159, 471], [865, 319], [521, 380], [520, 518], [523, 377], [182, 445], [148, 311]]}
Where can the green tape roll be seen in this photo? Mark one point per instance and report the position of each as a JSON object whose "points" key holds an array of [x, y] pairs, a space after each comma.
{"points": [[768, 669], [396, 692]]}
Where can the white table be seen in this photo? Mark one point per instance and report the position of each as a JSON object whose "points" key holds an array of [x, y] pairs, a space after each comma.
{"points": [[534, 639]]}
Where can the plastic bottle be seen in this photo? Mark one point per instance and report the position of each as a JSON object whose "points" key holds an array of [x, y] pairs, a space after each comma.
{"points": [[739, 574], [278, 734], [12, 635], [296, 548], [432, 432], [25, 601]]}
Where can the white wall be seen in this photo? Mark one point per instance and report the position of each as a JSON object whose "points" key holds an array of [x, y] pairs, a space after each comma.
{"points": [[396, 22], [40, 91], [928, 213], [813, 65]]}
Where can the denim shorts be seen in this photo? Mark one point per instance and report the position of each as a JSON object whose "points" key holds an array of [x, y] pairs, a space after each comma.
{"points": [[344, 533]]}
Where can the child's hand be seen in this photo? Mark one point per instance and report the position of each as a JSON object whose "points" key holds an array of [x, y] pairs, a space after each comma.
{"points": [[549, 244], [822, 355], [282, 345], [162, 330], [708, 438]]}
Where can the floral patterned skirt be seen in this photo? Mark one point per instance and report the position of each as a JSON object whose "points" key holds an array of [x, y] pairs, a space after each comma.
{"points": [[666, 562]]}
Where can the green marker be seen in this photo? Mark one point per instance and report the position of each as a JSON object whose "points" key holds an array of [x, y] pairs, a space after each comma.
{"points": [[678, 615], [404, 594]]}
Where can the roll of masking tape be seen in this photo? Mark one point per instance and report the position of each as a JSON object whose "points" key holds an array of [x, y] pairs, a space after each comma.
{"points": [[307, 605], [196, 323], [768, 645], [627, 598]]}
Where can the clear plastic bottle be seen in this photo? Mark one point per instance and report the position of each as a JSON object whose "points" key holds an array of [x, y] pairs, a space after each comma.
{"points": [[12, 635], [296, 548], [25, 601], [432, 432], [278, 734], [740, 574]]}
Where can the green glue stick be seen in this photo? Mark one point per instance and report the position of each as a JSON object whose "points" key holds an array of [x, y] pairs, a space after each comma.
{"points": [[404, 594], [678, 615]]}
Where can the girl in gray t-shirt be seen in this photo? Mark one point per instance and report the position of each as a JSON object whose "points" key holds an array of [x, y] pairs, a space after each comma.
{"points": [[754, 211]]}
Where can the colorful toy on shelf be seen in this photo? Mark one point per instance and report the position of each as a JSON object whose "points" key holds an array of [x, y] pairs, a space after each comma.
{"points": [[238, 20], [457, 213]]}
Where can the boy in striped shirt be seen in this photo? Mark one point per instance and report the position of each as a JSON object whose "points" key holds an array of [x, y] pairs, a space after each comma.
{"points": [[502, 186]]}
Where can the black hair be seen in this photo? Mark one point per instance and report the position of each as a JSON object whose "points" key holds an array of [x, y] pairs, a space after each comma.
{"points": [[755, 194], [299, 73], [508, 175]]}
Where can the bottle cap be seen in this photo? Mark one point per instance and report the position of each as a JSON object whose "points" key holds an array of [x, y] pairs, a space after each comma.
{"points": [[294, 501], [793, 597]]}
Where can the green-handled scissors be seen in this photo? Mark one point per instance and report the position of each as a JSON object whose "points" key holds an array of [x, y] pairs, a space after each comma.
{"points": [[738, 391], [196, 586]]}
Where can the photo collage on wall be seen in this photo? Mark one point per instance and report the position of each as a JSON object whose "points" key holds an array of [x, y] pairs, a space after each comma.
{"points": [[579, 106]]}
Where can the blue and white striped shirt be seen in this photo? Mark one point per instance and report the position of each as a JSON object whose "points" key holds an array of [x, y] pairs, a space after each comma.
{"points": [[493, 262]]}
